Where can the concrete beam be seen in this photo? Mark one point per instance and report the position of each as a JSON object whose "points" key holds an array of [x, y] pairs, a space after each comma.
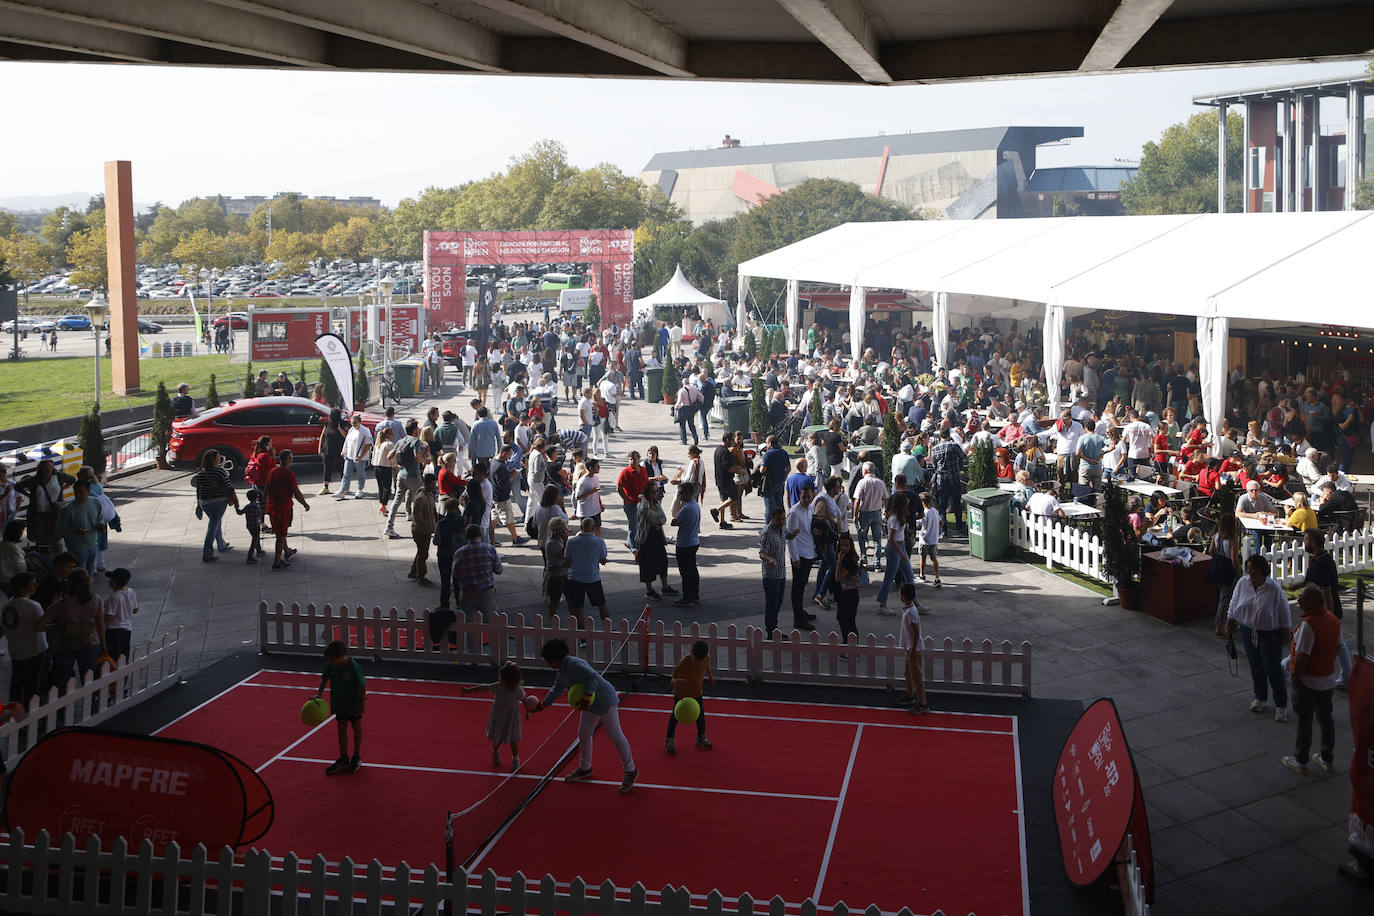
{"points": [[234, 31], [843, 27], [612, 26], [27, 28], [1008, 55], [1329, 32], [406, 25], [1126, 25]]}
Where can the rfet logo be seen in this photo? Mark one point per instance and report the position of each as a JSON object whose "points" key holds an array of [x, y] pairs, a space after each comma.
{"points": [[75, 821]]}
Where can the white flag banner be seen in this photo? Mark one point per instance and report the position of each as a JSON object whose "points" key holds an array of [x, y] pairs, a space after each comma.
{"points": [[337, 358]]}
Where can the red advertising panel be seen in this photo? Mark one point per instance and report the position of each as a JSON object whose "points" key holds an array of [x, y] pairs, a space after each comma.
{"points": [[286, 333], [91, 782], [447, 255], [1362, 760], [409, 321], [1094, 793]]}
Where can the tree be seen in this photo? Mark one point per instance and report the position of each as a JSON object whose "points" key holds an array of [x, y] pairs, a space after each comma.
{"points": [[1120, 551], [591, 315], [1364, 194], [161, 433], [891, 441], [27, 258], [601, 197], [751, 343], [1178, 174], [294, 250], [57, 230], [332, 396], [202, 249], [92, 441], [212, 393], [759, 424], [816, 415], [361, 384], [250, 383], [86, 255], [982, 469], [347, 240], [671, 380]]}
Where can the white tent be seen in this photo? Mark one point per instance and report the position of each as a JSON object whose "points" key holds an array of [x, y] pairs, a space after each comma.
{"points": [[1227, 270], [678, 292]]}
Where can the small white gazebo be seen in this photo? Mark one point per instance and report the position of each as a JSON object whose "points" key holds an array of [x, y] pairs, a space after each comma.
{"points": [[677, 292]]}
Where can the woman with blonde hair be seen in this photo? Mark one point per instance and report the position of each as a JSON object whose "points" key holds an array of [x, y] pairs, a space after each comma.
{"points": [[1301, 517]]}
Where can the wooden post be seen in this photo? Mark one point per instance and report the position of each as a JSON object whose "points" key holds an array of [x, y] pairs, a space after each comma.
{"points": [[123, 291]]}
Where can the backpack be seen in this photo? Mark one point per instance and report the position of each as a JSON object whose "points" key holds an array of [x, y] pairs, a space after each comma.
{"points": [[405, 454]]}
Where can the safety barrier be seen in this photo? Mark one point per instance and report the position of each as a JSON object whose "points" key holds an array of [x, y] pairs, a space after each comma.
{"points": [[1133, 895], [1060, 544], [42, 877], [744, 654], [1352, 551], [98, 696]]}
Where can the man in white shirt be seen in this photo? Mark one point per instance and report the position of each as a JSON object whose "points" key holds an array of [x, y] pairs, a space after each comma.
{"points": [[801, 552], [1333, 476], [1307, 468], [588, 495], [1066, 434], [469, 354], [1259, 608], [357, 445], [1137, 436], [1043, 502]]}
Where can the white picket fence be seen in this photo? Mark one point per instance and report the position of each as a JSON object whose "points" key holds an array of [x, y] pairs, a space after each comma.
{"points": [[1352, 550], [964, 667], [1132, 884], [1059, 543], [39, 877], [100, 695]]}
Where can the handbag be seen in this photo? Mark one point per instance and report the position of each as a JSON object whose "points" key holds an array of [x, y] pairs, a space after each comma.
{"points": [[1220, 570]]}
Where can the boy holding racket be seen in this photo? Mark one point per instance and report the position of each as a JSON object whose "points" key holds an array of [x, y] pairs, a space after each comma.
{"points": [[603, 708]]}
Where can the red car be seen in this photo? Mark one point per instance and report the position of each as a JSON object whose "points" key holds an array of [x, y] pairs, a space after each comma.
{"points": [[237, 321], [232, 429]]}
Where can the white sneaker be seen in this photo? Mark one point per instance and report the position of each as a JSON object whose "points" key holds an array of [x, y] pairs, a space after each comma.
{"points": [[1323, 762], [1292, 764], [1281, 714], [323, 491], [1257, 706]]}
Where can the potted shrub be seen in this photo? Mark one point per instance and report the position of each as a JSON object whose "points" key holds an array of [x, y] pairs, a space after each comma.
{"points": [[982, 467], [161, 433], [759, 423], [250, 383], [671, 380], [362, 386], [211, 394], [92, 441], [1120, 550]]}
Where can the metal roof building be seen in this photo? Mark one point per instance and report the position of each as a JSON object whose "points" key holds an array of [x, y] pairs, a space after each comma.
{"points": [[958, 174]]}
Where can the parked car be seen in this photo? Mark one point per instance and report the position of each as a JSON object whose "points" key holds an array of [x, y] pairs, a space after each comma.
{"points": [[232, 429], [144, 326], [74, 323], [237, 321], [28, 325]]}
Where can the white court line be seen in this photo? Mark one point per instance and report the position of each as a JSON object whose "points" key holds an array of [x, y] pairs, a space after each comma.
{"points": [[290, 747], [839, 810], [714, 699], [708, 790], [1021, 815], [225, 692], [723, 715]]}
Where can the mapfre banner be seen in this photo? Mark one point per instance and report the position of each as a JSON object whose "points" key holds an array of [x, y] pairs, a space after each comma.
{"points": [[1362, 760], [90, 782], [610, 252], [1094, 793]]}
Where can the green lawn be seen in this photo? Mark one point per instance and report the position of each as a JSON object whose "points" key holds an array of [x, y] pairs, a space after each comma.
{"points": [[35, 390]]}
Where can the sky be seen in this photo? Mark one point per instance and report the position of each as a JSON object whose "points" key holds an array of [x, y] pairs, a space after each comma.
{"points": [[199, 132]]}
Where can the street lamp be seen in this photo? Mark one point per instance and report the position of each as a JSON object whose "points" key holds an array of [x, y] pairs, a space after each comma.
{"points": [[384, 288], [97, 309]]}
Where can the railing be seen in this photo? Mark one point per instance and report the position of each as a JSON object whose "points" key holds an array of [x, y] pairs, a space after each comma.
{"points": [[40, 877], [1133, 895], [744, 654], [1352, 551], [129, 447], [1060, 544], [95, 698]]}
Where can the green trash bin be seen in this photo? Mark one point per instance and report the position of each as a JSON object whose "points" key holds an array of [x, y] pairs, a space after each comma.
{"points": [[736, 414], [989, 523], [407, 378], [653, 385]]}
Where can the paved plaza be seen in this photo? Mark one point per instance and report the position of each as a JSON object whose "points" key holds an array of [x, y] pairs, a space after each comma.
{"points": [[1233, 830]]}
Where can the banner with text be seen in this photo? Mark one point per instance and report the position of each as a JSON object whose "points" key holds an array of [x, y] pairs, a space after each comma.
{"points": [[1094, 793], [336, 357], [609, 252], [92, 782]]}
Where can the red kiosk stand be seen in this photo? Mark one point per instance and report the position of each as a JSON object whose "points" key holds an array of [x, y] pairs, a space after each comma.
{"points": [[610, 252], [407, 321], [1098, 803], [286, 333]]}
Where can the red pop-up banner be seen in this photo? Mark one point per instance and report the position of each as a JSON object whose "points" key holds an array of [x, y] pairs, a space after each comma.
{"points": [[92, 782], [1362, 760]]}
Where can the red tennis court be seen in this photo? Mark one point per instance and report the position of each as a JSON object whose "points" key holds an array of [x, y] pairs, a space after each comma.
{"points": [[863, 805]]}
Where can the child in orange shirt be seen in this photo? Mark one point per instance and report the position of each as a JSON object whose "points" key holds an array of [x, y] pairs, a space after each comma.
{"points": [[688, 678]]}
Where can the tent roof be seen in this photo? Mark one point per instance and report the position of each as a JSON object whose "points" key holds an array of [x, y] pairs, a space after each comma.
{"points": [[1245, 266], [676, 291]]}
